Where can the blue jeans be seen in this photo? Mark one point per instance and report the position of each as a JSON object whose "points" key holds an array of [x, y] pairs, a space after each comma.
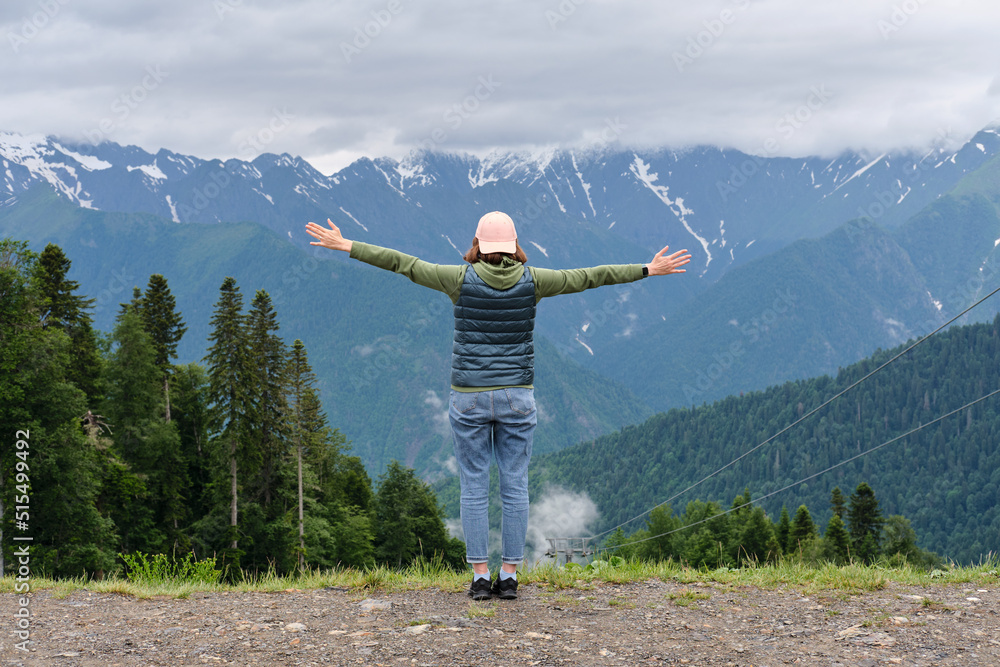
{"points": [[487, 423]]}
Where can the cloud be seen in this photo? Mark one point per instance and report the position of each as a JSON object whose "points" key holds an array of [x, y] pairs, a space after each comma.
{"points": [[558, 513], [438, 414], [900, 73]]}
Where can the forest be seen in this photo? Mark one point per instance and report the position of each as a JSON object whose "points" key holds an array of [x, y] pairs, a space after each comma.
{"points": [[706, 535], [119, 451], [945, 478]]}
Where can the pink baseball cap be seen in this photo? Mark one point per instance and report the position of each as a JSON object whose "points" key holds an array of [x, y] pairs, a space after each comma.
{"points": [[496, 233]]}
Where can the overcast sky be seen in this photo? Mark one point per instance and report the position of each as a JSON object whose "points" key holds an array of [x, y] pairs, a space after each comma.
{"points": [[332, 81]]}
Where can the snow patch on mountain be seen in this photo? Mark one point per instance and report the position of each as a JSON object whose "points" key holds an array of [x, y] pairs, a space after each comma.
{"points": [[150, 170], [861, 171], [173, 209], [543, 251], [353, 218], [641, 170], [88, 162], [586, 186]]}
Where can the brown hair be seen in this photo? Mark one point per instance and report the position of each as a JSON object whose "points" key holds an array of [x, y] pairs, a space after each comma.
{"points": [[474, 255]]}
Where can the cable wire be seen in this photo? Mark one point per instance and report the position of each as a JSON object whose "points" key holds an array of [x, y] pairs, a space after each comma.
{"points": [[800, 419], [814, 475]]}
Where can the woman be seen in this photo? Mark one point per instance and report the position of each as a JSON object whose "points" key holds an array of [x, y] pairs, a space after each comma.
{"points": [[492, 406]]}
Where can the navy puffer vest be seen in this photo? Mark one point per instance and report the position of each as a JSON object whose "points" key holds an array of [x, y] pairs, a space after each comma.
{"points": [[493, 334]]}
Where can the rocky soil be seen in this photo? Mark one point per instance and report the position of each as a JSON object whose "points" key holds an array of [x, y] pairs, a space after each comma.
{"points": [[652, 622]]}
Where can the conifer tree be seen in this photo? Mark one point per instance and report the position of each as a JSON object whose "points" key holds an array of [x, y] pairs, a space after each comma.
{"points": [[409, 521], [755, 536], [836, 541], [803, 529], [838, 503], [165, 327], [342, 486], [149, 447], [232, 394], [135, 305], [270, 361], [661, 526], [190, 413], [66, 310], [300, 379], [43, 408], [783, 530], [865, 523]]}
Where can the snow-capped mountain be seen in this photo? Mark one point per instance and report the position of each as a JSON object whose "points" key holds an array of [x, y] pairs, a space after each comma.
{"points": [[571, 206]]}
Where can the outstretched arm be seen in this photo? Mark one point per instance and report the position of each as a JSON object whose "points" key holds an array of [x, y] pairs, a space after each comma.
{"points": [[441, 277], [550, 282], [328, 238], [664, 266]]}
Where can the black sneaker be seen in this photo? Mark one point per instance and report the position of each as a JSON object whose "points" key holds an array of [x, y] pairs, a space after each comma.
{"points": [[505, 589], [480, 589]]}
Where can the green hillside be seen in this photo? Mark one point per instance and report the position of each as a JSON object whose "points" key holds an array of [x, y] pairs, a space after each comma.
{"points": [[819, 304], [379, 344], [945, 479]]}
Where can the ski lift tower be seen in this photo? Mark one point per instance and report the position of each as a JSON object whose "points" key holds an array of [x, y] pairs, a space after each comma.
{"points": [[569, 548]]}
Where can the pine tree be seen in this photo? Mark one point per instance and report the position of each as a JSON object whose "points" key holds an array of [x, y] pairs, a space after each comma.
{"points": [[755, 534], [661, 526], [70, 536], [135, 305], [410, 523], [783, 530], [66, 310], [343, 491], [232, 393], [165, 327], [270, 360], [190, 413], [148, 446], [836, 541], [838, 503], [300, 380], [803, 529], [865, 523]]}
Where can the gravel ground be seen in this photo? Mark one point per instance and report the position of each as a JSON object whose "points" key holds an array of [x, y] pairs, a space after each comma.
{"points": [[651, 622]]}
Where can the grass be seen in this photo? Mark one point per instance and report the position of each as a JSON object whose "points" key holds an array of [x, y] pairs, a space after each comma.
{"points": [[686, 597], [838, 581], [477, 610]]}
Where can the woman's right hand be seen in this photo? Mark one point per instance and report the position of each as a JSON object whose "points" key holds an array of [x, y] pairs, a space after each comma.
{"points": [[328, 238], [664, 266]]}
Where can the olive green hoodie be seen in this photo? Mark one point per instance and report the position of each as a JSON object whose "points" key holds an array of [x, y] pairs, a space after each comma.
{"points": [[448, 278]]}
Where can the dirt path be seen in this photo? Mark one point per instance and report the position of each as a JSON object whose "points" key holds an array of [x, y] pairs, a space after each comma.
{"points": [[651, 622]]}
